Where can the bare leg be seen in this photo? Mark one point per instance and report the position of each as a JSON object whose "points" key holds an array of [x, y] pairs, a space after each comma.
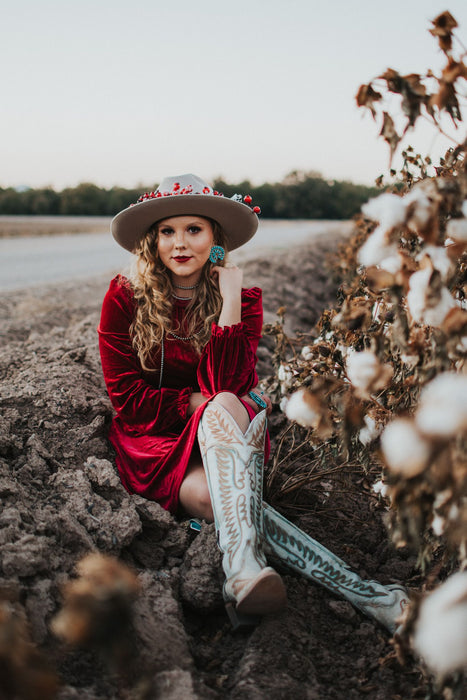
{"points": [[194, 493]]}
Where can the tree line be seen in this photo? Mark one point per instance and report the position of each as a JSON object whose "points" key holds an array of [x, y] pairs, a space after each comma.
{"points": [[300, 195]]}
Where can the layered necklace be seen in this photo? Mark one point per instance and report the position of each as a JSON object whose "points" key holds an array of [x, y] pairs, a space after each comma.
{"points": [[181, 286], [174, 335]]}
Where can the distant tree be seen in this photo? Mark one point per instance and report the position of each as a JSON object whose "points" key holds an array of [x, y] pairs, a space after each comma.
{"points": [[300, 195]]}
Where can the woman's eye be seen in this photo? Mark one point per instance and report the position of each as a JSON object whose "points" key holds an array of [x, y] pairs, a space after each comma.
{"points": [[194, 229], [166, 231]]}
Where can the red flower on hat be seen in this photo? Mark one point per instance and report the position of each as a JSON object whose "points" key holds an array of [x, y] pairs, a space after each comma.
{"points": [[247, 199], [257, 210]]}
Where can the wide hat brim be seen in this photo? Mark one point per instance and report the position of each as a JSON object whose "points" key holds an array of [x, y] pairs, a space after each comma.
{"points": [[237, 220]]}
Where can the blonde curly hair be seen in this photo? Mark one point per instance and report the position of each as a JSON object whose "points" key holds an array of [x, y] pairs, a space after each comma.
{"points": [[153, 290]]}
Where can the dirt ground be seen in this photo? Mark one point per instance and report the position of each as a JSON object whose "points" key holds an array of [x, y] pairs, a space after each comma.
{"points": [[60, 499]]}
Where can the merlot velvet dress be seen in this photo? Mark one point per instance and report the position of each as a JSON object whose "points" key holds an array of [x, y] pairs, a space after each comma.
{"points": [[152, 434]]}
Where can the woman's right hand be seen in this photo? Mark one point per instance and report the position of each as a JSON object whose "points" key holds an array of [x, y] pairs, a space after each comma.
{"points": [[196, 400]]}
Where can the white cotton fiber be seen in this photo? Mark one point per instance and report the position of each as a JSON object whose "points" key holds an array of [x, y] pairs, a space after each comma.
{"points": [[301, 407], [404, 449], [442, 410], [388, 209], [441, 630]]}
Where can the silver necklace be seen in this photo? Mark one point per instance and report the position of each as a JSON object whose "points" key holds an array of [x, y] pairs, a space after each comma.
{"points": [[162, 362], [178, 337], [180, 286], [175, 296]]}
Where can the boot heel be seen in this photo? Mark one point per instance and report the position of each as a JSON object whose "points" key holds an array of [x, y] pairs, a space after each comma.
{"points": [[240, 620]]}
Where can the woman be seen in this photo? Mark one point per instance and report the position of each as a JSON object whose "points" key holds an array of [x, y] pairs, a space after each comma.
{"points": [[178, 345]]}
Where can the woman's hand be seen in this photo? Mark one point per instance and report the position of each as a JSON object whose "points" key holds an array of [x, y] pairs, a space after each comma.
{"points": [[230, 286], [229, 279], [247, 399], [196, 400]]}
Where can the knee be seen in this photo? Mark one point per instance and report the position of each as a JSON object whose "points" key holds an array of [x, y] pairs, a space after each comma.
{"points": [[228, 401]]}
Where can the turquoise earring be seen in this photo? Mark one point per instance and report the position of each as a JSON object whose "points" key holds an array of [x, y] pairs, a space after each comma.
{"points": [[217, 253]]}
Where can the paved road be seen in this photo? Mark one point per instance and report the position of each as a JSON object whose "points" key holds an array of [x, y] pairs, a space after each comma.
{"points": [[26, 262]]}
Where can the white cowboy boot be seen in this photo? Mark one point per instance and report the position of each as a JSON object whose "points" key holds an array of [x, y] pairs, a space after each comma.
{"points": [[299, 551], [230, 458]]}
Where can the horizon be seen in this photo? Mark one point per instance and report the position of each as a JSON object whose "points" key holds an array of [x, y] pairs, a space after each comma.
{"points": [[118, 96]]}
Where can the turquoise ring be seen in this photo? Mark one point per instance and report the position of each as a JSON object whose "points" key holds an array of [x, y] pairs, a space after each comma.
{"points": [[257, 399]]}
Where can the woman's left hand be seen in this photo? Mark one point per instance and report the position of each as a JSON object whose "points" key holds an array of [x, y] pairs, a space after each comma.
{"points": [[247, 399], [230, 280]]}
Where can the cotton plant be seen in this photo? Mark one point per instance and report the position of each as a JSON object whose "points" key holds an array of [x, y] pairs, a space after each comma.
{"points": [[382, 379], [383, 383]]}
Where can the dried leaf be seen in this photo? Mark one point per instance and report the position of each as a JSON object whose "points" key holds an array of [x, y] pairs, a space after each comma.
{"points": [[455, 321], [413, 96], [393, 79], [389, 133], [378, 279], [443, 25], [366, 97]]}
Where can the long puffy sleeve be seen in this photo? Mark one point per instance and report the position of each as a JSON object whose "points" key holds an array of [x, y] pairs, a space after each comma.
{"points": [[140, 406], [229, 359]]}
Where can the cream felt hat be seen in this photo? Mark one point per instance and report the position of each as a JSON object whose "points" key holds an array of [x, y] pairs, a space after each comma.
{"points": [[181, 196]]}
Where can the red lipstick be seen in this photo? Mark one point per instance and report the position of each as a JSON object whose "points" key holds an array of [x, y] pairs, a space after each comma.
{"points": [[182, 258]]}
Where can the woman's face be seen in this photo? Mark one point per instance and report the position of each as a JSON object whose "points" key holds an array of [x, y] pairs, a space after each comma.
{"points": [[184, 244]]}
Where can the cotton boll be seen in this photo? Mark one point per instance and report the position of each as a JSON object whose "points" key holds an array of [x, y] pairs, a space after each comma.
{"points": [[416, 297], [307, 353], [405, 451], [366, 373], [379, 487], [421, 309], [457, 229], [370, 431], [285, 376], [441, 630], [410, 360], [362, 367], [388, 209], [434, 316], [283, 403], [422, 209], [303, 408], [392, 264], [442, 411], [437, 525], [440, 259], [376, 248]]}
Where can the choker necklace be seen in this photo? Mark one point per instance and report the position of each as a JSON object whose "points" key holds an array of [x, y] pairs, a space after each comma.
{"points": [[180, 286], [175, 296]]}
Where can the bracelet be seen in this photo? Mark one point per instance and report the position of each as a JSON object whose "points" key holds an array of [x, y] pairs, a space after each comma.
{"points": [[257, 399]]}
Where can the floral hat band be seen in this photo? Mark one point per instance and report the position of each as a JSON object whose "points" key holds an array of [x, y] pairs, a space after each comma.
{"points": [[186, 195]]}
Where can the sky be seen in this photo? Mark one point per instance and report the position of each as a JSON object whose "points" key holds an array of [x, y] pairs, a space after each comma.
{"points": [[125, 93]]}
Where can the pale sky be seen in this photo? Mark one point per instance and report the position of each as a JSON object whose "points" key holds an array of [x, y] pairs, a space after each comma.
{"points": [[122, 93]]}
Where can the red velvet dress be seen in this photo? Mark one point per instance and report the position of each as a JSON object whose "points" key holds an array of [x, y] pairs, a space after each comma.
{"points": [[152, 434]]}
